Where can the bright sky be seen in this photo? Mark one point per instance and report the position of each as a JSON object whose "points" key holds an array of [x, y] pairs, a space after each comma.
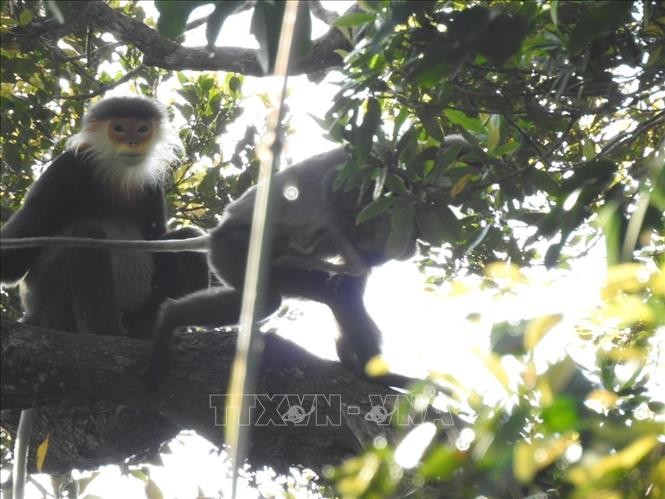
{"points": [[423, 329]]}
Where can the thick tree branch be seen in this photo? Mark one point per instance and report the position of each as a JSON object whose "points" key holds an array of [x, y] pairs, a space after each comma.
{"points": [[88, 377], [164, 53]]}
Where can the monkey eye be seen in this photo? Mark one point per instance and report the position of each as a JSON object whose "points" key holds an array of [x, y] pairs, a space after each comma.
{"points": [[143, 129], [118, 128]]}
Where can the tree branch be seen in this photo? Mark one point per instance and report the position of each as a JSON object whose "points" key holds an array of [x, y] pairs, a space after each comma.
{"points": [[94, 406], [161, 52]]}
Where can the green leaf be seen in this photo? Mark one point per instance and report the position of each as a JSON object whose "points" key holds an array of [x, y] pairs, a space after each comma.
{"points": [[265, 26], [461, 119], [400, 240], [395, 184], [173, 15], [217, 18], [375, 208], [25, 17], [370, 123], [302, 37], [493, 132], [353, 19], [441, 463], [561, 415], [438, 225], [429, 118]]}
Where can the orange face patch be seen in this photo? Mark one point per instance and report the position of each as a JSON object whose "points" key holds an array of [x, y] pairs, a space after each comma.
{"points": [[130, 136]]}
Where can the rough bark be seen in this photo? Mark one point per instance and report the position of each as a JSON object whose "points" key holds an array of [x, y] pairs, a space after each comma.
{"points": [[95, 409]]}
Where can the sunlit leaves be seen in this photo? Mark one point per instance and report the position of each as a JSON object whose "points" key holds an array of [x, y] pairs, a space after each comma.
{"points": [[623, 460], [531, 457], [538, 328]]}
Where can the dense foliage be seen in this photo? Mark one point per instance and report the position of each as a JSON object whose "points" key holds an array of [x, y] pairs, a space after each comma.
{"points": [[564, 107]]}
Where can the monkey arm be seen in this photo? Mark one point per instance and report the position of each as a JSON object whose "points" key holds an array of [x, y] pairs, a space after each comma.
{"points": [[42, 214], [347, 250]]}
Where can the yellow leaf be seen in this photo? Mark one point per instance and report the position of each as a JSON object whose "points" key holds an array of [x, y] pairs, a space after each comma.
{"points": [[626, 459], [508, 271], [493, 363], [627, 277], [627, 309], [377, 366], [42, 450], [538, 328], [530, 458], [602, 398], [657, 283], [361, 471], [460, 184]]}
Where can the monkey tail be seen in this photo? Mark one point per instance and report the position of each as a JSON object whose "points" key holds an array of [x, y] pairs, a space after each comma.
{"points": [[200, 243]]}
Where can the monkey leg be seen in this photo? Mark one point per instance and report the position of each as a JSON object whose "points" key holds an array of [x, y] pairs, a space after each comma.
{"points": [[216, 307], [359, 337], [175, 275], [74, 289]]}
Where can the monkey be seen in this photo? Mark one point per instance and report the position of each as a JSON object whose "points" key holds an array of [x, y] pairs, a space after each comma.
{"points": [[313, 223], [107, 184]]}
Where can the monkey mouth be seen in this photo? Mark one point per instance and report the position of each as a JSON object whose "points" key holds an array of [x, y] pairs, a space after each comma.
{"points": [[131, 158]]}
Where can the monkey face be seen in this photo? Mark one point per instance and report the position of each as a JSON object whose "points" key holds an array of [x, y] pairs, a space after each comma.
{"points": [[131, 138]]}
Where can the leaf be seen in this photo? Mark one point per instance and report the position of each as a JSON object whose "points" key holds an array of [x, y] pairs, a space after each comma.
{"points": [[25, 17], [428, 118], [505, 271], [302, 36], [265, 26], [625, 278], [610, 221], [353, 19], [561, 415], [396, 184], [438, 225], [370, 123], [461, 119], [530, 458], [460, 184], [441, 463], [173, 16], [493, 132], [538, 328], [624, 460], [42, 450], [375, 208], [377, 366], [400, 241], [217, 18]]}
